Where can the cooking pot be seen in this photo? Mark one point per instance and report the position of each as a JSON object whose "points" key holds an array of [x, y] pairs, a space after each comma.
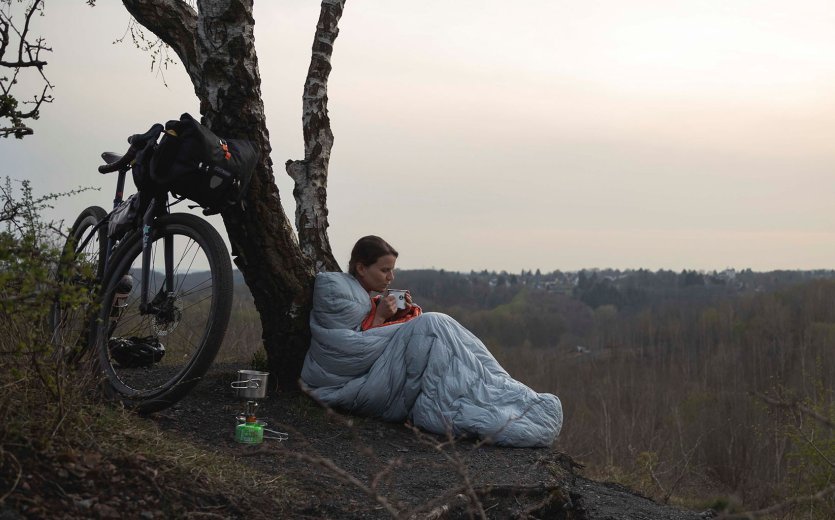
{"points": [[251, 384]]}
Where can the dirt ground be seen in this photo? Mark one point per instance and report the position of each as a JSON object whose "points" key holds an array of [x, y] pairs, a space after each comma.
{"points": [[330, 466]]}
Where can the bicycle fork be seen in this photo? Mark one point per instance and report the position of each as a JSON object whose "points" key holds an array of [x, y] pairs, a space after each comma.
{"points": [[167, 290]]}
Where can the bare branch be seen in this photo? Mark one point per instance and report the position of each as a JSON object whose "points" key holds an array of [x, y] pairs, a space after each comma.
{"points": [[347, 477], [4, 33], [16, 131], [782, 506], [814, 446], [28, 57], [36, 5], [19, 470], [172, 21], [797, 406], [22, 64]]}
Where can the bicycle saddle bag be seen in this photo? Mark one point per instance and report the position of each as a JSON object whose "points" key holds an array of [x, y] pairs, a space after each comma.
{"points": [[194, 163]]}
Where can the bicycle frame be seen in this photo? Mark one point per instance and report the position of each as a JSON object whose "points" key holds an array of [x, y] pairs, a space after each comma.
{"points": [[118, 198], [157, 207]]}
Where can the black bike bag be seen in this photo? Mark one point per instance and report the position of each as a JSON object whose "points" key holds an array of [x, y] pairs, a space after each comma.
{"points": [[194, 163]]}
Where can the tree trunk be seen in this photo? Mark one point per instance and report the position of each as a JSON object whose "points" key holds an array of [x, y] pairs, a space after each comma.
{"points": [[215, 42]]}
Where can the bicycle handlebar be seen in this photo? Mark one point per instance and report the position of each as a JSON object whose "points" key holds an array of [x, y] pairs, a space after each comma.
{"points": [[137, 142]]}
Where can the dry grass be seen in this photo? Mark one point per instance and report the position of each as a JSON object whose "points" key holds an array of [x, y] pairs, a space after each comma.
{"points": [[217, 471]]}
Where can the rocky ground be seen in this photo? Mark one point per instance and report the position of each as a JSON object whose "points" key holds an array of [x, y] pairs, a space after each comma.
{"points": [[330, 466]]}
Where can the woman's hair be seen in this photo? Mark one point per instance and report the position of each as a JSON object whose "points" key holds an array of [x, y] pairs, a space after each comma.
{"points": [[368, 250]]}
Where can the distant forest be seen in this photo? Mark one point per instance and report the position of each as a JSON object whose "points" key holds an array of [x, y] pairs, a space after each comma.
{"points": [[668, 379], [557, 309]]}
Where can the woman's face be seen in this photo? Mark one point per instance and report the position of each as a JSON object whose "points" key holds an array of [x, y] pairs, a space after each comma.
{"points": [[377, 276]]}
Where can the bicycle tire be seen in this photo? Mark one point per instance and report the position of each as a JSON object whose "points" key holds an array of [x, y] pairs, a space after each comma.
{"points": [[71, 314], [201, 305]]}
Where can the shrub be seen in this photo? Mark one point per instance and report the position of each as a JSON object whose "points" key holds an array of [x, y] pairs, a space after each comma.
{"points": [[37, 395]]}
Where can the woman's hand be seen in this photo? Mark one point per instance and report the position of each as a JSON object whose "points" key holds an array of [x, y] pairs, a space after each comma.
{"points": [[386, 308]]}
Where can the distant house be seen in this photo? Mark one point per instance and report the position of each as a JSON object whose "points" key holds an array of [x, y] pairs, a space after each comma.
{"points": [[556, 286]]}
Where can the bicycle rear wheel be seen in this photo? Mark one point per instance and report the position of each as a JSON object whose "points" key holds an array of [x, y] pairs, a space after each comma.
{"points": [[79, 274], [151, 359]]}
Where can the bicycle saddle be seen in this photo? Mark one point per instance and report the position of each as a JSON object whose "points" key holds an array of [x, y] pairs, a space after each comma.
{"points": [[110, 157]]}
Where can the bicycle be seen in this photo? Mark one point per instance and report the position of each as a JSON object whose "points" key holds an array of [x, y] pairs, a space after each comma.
{"points": [[162, 287]]}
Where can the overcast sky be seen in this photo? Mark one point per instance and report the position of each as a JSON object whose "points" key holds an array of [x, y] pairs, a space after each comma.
{"points": [[509, 135]]}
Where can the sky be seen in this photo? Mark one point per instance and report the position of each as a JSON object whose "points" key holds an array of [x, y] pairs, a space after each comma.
{"points": [[497, 135]]}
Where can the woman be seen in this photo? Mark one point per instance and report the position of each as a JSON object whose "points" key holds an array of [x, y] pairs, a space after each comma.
{"points": [[372, 264], [369, 358]]}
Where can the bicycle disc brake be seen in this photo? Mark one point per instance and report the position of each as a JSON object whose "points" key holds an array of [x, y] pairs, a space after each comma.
{"points": [[167, 314]]}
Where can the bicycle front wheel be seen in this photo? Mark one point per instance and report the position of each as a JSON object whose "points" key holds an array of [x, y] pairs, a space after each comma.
{"points": [[152, 357], [79, 274]]}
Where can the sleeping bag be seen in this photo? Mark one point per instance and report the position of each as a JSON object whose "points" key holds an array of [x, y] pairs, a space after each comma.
{"points": [[429, 370]]}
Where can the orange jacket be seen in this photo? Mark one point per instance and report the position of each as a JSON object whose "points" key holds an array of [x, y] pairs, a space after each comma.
{"points": [[368, 323]]}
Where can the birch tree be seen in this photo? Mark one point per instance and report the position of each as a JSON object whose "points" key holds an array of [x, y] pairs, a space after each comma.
{"points": [[214, 42]]}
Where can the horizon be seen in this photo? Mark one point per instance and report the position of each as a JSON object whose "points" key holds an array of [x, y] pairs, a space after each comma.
{"points": [[600, 269]]}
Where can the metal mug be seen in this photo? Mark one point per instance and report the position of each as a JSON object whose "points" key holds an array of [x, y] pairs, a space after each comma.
{"points": [[251, 384], [399, 297]]}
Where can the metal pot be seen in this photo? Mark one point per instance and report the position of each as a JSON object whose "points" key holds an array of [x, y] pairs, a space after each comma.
{"points": [[251, 384]]}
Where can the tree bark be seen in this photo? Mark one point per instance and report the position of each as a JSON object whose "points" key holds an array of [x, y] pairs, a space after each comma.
{"points": [[216, 44]]}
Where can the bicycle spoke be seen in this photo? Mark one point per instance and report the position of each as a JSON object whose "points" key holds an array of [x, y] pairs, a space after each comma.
{"points": [[198, 288]]}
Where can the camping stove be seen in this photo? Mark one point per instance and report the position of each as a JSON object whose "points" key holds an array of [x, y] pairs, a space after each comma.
{"points": [[251, 385]]}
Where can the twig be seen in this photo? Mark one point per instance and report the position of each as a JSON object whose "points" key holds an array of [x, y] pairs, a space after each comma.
{"points": [[658, 482], [455, 460], [438, 505], [683, 473], [441, 505], [687, 458], [441, 510], [17, 477], [814, 446], [13, 383], [347, 477], [796, 405], [390, 466], [782, 506]]}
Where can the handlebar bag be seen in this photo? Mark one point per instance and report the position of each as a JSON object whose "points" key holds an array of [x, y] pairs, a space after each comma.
{"points": [[194, 163]]}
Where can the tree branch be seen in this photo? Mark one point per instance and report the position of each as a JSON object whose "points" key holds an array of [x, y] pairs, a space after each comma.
{"points": [[23, 43], [4, 33], [796, 405], [371, 490], [28, 56], [782, 506], [311, 174], [20, 64], [172, 21]]}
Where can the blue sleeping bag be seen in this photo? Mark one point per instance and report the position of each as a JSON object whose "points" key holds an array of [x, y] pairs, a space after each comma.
{"points": [[429, 370]]}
